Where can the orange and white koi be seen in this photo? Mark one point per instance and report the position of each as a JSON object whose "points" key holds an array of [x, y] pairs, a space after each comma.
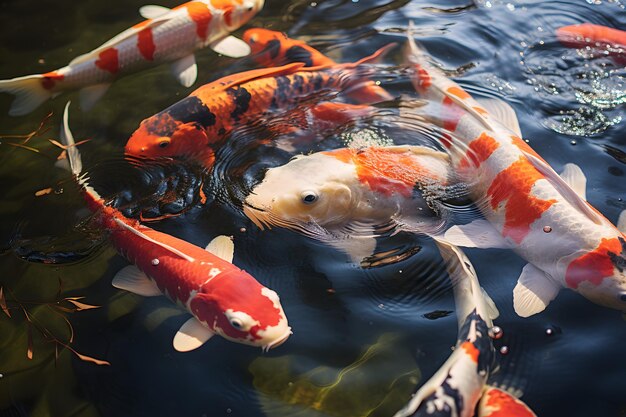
{"points": [[342, 196], [528, 207], [613, 41], [499, 403], [272, 48], [194, 126], [222, 298], [455, 389], [167, 35]]}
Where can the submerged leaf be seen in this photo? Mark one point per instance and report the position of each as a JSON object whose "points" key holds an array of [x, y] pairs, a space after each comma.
{"points": [[3, 303], [81, 306], [29, 352]]}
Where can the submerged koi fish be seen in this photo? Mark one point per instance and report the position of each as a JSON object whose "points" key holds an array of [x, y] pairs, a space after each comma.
{"points": [[528, 207], [457, 387], [587, 34], [167, 35], [222, 298], [271, 48], [192, 127], [342, 196]]}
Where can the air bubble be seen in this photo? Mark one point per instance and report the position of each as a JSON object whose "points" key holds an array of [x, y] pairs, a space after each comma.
{"points": [[504, 350], [155, 262], [495, 332], [547, 229]]}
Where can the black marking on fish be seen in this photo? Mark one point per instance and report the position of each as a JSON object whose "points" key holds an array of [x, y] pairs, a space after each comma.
{"points": [[299, 54], [618, 260], [192, 109], [242, 98], [298, 83], [160, 125], [221, 132], [449, 403], [480, 339], [273, 47], [281, 94], [318, 81]]}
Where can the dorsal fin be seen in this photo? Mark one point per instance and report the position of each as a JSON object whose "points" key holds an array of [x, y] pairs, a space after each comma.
{"points": [[502, 112], [151, 240]]}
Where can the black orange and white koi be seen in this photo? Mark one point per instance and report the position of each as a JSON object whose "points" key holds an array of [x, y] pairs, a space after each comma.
{"points": [[272, 48], [193, 127], [528, 207], [167, 35], [342, 196], [222, 299], [460, 387]]}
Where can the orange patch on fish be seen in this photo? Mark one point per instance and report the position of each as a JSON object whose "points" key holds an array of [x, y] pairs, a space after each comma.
{"points": [[424, 79], [145, 43], [227, 7], [514, 185], [521, 144], [108, 60], [593, 266], [458, 92], [385, 171], [481, 111], [201, 15], [453, 114], [471, 350], [50, 79], [504, 405], [479, 150], [142, 24]]}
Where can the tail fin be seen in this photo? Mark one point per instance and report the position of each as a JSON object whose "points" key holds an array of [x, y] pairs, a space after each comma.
{"points": [[413, 53], [29, 93]]}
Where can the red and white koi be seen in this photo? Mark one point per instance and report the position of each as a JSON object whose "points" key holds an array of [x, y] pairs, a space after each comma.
{"points": [[342, 196], [455, 389], [194, 126], [271, 48], [222, 298], [499, 403], [166, 35], [528, 207]]}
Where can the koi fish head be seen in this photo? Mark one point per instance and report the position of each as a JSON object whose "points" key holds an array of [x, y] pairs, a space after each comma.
{"points": [[176, 132], [318, 189], [259, 39], [235, 15], [238, 308]]}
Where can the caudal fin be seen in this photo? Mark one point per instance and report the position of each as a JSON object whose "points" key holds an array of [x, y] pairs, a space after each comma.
{"points": [[29, 93]]}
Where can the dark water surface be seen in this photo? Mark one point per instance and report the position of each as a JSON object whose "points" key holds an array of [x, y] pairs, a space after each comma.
{"points": [[363, 339]]}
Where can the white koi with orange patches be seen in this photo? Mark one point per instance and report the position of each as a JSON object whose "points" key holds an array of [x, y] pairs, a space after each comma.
{"points": [[168, 35], [534, 211]]}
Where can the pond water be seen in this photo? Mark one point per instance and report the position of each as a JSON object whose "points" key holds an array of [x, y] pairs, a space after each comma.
{"points": [[363, 338]]}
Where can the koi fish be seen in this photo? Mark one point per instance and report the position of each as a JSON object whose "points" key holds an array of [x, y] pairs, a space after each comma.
{"points": [[271, 48], [587, 34], [194, 126], [343, 196], [166, 35], [498, 403], [528, 207], [456, 388], [222, 299]]}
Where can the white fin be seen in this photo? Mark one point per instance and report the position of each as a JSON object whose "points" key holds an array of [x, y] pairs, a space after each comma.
{"points": [[621, 222], [185, 70], [502, 112], [574, 177], [28, 91], [564, 188], [358, 248], [89, 96], [477, 234], [191, 335], [152, 11], [156, 242], [67, 138], [231, 46], [533, 292], [222, 247], [492, 309], [130, 278]]}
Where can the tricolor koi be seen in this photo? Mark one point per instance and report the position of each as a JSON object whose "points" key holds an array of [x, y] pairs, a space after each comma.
{"points": [[344, 196], [272, 48], [193, 127], [528, 207], [221, 298], [167, 35]]}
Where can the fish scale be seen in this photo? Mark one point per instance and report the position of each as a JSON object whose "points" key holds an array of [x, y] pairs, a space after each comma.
{"points": [[520, 196]]}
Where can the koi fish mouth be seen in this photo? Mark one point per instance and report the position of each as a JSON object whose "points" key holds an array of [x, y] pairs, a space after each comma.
{"points": [[279, 341]]}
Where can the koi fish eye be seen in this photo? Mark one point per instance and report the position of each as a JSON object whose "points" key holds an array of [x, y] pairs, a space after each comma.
{"points": [[622, 297], [239, 321], [236, 323], [309, 197], [164, 142]]}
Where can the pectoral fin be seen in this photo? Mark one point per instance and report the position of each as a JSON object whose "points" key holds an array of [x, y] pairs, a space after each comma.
{"points": [[131, 279], [89, 96], [358, 248], [502, 112], [191, 335], [621, 222], [152, 11], [222, 247], [185, 70], [533, 292], [231, 46], [477, 234], [574, 177]]}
